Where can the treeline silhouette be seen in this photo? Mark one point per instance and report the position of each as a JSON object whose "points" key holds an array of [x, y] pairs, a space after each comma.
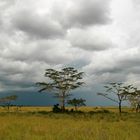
{"points": [[62, 82]]}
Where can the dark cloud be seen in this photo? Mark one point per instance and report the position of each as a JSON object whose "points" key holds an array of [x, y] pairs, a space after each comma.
{"points": [[53, 34], [32, 98], [123, 66], [82, 13], [55, 23], [37, 26], [91, 12]]}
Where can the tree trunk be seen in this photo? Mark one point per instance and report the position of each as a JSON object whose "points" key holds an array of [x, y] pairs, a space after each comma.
{"points": [[137, 108], [120, 107], [63, 108], [75, 107], [63, 104]]}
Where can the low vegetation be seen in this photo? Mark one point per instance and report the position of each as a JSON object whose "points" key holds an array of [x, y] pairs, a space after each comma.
{"points": [[40, 123]]}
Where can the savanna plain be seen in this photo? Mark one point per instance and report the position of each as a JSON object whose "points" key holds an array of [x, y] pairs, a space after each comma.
{"points": [[89, 123]]}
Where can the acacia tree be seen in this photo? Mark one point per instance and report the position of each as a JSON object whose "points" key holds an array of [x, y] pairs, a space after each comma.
{"points": [[119, 91], [61, 83], [134, 99], [7, 100], [77, 102]]}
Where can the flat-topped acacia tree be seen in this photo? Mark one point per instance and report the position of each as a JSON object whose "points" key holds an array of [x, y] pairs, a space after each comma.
{"points": [[120, 92], [7, 100], [134, 99], [62, 82]]}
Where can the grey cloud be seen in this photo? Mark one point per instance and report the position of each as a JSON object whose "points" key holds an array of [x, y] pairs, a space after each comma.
{"points": [[103, 78], [130, 65], [1, 21], [37, 26], [136, 2], [135, 70], [111, 77], [122, 66], [16, 75], [91, 12], [82, 13], [46, 51], [6, 9], [65, 34], [107, 67], [89, 40], [60, 18], [24, 62], [112, 70], [6, 4]]}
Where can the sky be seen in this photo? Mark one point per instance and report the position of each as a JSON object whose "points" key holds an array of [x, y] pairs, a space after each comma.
{"points": [[100, 38]]}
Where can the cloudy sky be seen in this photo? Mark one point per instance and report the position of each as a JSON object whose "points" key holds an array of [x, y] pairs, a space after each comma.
{"points": [[99, 37]]}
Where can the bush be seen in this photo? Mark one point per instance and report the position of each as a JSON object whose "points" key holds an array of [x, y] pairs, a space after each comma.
{"points": [[56, 108]]}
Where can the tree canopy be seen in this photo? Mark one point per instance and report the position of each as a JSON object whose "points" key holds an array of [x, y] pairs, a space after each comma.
{"points": [[77, 102], [120, 92], [61, 82]]}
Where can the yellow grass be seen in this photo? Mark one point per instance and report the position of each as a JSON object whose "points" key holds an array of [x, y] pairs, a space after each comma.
{"points": [[31, 123]]}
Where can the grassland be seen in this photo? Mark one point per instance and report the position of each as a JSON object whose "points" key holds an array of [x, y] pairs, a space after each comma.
{"points": [[38, 123]]}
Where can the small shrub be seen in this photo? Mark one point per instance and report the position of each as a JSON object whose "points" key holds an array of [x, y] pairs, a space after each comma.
{"points": [[56, 108]]}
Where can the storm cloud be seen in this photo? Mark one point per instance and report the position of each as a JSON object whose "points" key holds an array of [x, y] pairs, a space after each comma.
{"points": [[82, 13], [37, 26], [98, 37]]}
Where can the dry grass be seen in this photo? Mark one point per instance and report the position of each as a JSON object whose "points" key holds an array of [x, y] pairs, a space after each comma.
{"points": [[34, 123]]}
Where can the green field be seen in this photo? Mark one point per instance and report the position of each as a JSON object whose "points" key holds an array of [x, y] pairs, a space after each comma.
{"points": [[38, 123]]}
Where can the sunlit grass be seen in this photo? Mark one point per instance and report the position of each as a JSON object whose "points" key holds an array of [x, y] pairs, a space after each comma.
{"points": [[31, 123]]}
